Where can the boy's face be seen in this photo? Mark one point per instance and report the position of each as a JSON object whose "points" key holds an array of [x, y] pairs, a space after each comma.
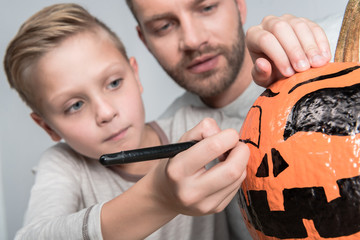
{"points": [[90, 96], [200, 44]]}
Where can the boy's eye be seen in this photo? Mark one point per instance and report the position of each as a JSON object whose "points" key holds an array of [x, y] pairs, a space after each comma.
{"points": [[75, 107]]}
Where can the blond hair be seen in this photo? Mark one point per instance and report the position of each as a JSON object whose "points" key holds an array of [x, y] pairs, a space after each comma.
{"points": [[41, 33]]}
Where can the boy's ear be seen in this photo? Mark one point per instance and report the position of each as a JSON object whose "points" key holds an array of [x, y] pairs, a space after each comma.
{"points": [[134, 66], [40, 121]]}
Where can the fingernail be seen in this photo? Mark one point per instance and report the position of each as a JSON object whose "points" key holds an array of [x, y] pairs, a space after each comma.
{"points": [[289, 72], [317, 59], [302, 65], [257, 68], [326, 54]]}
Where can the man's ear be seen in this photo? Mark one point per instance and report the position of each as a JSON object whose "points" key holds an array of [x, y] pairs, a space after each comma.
{"points": [[41, 122], [141, 35], [242, 9]]}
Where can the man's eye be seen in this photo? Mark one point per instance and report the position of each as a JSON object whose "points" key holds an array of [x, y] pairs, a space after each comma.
{"points": [[162, 29], [209, 8], [75, 107], [115, 83]]}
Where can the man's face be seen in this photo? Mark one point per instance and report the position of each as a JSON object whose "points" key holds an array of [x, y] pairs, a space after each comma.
{"points": [[199, 43]]}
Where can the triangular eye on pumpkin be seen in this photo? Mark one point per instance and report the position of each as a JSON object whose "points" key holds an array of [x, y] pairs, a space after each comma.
{"points": [[308, 128], [279, 164], [263, 169]]}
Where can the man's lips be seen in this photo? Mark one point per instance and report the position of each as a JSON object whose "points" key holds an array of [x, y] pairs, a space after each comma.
{"points": [[203, 64]]}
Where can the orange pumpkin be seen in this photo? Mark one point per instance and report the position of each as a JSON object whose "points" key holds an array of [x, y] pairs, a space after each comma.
{"points": [[303, 175]]}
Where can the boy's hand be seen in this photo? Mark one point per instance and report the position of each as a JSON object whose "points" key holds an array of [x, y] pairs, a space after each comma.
{"points": [[180, 185], [192, 189], [281, 46]]}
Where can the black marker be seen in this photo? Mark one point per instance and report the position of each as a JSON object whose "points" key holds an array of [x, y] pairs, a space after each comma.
{"points": [[145, 154]]}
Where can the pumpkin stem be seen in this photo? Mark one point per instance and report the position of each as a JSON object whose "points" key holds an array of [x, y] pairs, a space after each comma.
{"points": [[347, 49]]}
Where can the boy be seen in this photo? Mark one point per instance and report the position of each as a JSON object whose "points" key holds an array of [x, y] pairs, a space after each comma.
{"points": [[74, 74]]}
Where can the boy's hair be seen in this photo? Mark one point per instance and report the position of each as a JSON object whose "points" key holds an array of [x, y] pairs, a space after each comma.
{"points": [[41, 33]]}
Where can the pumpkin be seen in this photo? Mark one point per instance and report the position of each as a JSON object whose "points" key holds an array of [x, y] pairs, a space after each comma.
{"points": [[303, 175]]}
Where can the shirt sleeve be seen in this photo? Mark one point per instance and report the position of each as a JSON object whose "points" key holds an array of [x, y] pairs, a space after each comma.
{"points": [[56, 209]]}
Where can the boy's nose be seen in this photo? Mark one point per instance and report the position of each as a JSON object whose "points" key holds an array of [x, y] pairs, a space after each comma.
{"points": [[105, 112]]}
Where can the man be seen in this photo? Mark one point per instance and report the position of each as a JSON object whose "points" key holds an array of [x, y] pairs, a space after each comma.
{"points": [[202, 46]]}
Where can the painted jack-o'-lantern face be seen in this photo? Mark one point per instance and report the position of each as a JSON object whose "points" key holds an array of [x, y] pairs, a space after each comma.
{"points": [[303, 175]]}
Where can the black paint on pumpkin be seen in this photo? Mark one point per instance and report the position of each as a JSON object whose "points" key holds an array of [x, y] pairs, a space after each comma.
{"points": [[279, 164], [263, 169], [337, 218], [332, 111], [327, 76]]}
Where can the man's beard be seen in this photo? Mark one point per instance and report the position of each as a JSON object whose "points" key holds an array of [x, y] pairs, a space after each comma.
{"points": [[216, 81]]}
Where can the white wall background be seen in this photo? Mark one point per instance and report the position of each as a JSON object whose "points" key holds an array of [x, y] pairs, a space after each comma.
{"points": [[21, 141]]}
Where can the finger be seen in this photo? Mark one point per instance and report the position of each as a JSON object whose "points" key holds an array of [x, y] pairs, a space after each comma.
{"points": [[223, 203], [218, 201], [207, 127], [223, 180], [321, 40], [262, 72], [225, 195], [311, 38], [193, 160], [229, 171], [263, 44], [284, 32]]}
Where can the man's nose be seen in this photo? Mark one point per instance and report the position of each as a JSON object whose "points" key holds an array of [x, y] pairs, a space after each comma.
{"points": [[193, 34]]}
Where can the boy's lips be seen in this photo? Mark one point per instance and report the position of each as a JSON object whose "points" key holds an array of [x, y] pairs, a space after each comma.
{"points": [[203, 64], [117, 136]]}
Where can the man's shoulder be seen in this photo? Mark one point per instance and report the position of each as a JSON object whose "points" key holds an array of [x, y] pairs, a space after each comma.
{"points": [[184, 100]]}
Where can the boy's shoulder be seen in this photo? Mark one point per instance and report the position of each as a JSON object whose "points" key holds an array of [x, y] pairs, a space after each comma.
{"points": [[60, 155], [60, 149]]}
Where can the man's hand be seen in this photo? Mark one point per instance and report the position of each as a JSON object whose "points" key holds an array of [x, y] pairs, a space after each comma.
{"points": [[281, 46]]}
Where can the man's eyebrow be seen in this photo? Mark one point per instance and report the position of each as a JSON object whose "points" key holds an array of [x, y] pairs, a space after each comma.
{"points": [[161, 16], [157, 17], [196, 2]]}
